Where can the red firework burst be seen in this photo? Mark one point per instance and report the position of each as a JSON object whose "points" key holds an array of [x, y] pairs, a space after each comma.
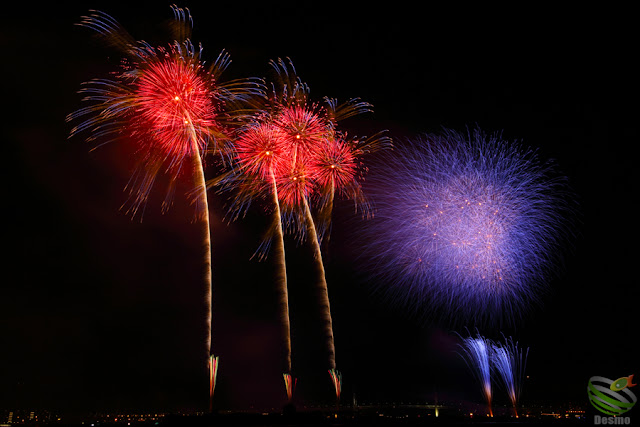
{"points": [[165, 101], [281, 148], [295, 184], [259, 149], [174, 110], [333, 163], [302, 128]]}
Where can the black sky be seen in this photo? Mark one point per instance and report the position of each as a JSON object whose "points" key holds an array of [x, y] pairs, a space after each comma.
{"points": [[101, 312]]}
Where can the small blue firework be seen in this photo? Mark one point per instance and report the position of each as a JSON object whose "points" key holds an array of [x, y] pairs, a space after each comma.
{"points": [[467, 226], [477, 354], [510, 361]]}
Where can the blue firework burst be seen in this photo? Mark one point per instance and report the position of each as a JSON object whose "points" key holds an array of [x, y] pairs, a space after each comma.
{"points": [[467, 225]]}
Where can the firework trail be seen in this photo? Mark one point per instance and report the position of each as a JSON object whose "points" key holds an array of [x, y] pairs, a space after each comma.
{"points": [[467, 226], [476, 352], [510, 362], [281, 278], [173, 108], [321, 287]]}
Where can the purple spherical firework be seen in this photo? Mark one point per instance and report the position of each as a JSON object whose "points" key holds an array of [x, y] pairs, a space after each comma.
{"points": [[466, 225]]}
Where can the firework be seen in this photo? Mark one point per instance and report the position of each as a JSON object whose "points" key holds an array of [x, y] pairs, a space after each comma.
{"points": [[270, 158], [467, 226], [334, 164], [336, 379], [510, 362], [292, 154], [476, 352], [173, 108], [290, 385], [166, 101], [213, 376], [270, 155], [319, 160], [338, 168], [302, 128], [259, 150]]}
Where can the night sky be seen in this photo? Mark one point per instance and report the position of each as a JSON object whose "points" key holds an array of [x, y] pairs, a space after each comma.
{"points": [[100, 312]]}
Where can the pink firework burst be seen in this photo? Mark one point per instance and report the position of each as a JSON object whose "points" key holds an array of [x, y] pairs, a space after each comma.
{"points": [[259, 150], [302, 128], [334, 163], [295, 184], [174, 106], [165, 101], [173, 115], [337, 167]]}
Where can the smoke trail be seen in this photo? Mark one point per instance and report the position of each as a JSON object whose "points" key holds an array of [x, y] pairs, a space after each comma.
{"points": [[202, 203], [321, 286], [281, 279]]}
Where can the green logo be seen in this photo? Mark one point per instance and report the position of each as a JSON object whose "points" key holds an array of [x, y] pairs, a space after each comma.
{"points": [[611, 397]]}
